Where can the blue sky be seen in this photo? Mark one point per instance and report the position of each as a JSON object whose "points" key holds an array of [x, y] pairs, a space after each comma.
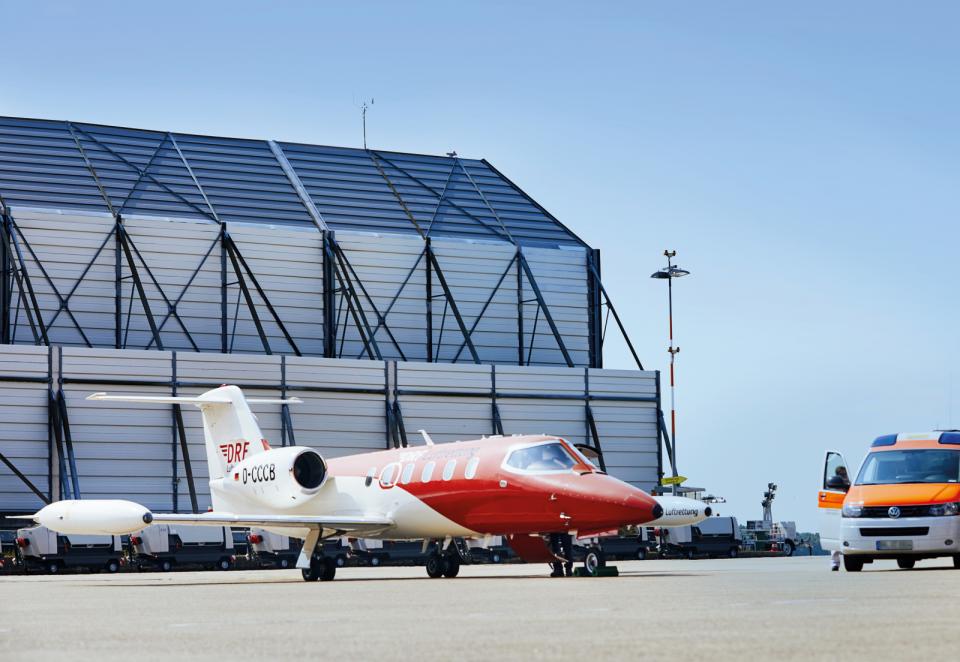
{"points": [[803, 161]]}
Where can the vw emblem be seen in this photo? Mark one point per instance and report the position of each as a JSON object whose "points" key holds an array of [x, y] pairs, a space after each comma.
{"points": [[893, 512]]}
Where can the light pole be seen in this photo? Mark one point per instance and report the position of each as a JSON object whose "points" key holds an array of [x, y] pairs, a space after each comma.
{"points": [[672, 271]]}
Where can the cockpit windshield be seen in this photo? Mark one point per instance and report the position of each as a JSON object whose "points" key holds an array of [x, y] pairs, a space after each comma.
{"points": [[910, 466], [543, 457]]}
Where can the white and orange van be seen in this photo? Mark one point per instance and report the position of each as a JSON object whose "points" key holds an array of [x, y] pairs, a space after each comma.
{"points": [[904, 503]]}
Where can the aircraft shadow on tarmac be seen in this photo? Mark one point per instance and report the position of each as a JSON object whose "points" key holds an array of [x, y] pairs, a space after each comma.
{"points": [[145, 583]]}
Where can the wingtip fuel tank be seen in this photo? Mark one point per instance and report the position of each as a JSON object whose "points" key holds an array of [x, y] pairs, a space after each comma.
{"points": [[680, 511], [112, 517]]}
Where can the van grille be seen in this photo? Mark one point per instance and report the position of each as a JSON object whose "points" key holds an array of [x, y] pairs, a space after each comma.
{"points": [[905, 511], [886, 531]]}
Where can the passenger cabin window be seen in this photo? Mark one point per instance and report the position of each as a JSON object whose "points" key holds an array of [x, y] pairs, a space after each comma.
{"points": [[427, 473], [407, 474], [448, 469], [471, 469], [387, 478], [544, 457]]}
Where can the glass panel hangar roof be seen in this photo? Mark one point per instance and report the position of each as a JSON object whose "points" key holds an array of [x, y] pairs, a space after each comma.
{"points": [[71, 165]]}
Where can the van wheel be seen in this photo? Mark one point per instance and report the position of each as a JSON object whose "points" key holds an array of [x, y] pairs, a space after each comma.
{"points": [[691, 553], [496, 558], [788, 548], [375, 561], [284, 563], [852, 564], [956, 561], [906, 564], [733, 552], [224, 564], [166, 565], [53, 567], [112, 566], [641, 554]]}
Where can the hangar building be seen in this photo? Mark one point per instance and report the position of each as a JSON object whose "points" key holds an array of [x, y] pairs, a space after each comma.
{"points": [[392, 292]]}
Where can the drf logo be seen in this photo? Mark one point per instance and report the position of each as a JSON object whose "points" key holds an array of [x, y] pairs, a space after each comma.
{"points": [[235, 451]]}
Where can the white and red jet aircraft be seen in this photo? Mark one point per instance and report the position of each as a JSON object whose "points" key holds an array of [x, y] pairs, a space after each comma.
{"points": [[522, 487]]}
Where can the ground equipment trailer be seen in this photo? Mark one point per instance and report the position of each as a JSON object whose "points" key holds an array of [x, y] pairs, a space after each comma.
{"points": [[638, 544], [39, 548], [163, 547], [272, 550], [714, 536]]}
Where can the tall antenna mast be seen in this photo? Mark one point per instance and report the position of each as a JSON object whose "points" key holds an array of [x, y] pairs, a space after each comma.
{"points": [[363, 113]]}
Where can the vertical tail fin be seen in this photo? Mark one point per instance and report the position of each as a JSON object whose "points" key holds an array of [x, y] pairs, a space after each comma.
{"points": [[230, 430]]}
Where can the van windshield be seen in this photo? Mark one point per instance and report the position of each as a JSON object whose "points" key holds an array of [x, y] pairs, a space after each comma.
{"points": [[910, 466]]}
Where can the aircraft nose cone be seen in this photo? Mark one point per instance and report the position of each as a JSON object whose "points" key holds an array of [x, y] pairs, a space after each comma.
{"points": [[643, 508]]}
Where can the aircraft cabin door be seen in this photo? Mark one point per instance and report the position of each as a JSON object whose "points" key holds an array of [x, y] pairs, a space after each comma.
{"points": [[833, 488]]}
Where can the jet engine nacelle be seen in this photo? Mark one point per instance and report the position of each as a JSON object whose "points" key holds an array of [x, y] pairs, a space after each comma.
{"points": [[108, 517], [680, 511], [278, 478]]}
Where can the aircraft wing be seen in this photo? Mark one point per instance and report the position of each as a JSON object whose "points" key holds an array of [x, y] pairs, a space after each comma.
{"points": [[348, 523]]}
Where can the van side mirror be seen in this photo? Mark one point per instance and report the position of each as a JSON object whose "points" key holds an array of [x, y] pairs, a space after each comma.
{"points": [[838, 483]]}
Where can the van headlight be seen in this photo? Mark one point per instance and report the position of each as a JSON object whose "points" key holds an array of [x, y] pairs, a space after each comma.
{"points": [[944, 509], [852, 509]]}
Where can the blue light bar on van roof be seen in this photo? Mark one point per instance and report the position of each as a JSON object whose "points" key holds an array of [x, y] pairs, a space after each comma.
{"points": [[885, 440], [952, 438]]}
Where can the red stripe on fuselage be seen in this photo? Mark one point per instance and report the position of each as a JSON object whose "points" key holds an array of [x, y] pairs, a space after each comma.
{"points": [[499, 501]]}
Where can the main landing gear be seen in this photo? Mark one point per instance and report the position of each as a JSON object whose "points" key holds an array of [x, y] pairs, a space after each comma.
{"points": [[321, 568], [444, 563]]}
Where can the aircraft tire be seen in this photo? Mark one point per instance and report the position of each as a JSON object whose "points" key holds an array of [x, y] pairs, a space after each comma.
{"points": [[594, 560], [906, 563], [434, 566], [451, 566], [788, 548], [313, 573], [329, 570]]}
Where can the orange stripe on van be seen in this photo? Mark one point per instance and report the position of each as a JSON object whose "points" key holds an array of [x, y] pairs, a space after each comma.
{"points": [[830, 499]]}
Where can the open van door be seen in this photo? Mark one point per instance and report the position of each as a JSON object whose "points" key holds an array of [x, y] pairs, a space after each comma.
{"points": [[833, 488]]}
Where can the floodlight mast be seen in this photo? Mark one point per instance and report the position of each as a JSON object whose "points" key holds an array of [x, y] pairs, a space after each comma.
{"points": [[672, 271]]}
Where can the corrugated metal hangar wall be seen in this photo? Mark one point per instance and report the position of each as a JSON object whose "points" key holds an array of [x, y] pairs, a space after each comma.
{"points": [[390, 291]]}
